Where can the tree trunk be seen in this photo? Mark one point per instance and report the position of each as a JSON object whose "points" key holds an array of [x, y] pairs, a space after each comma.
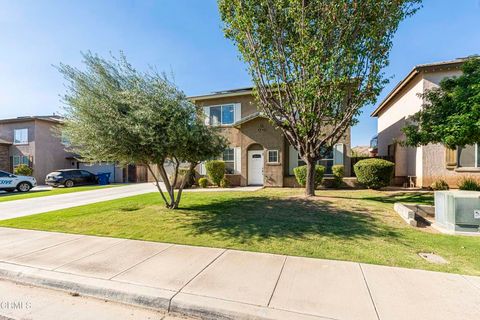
{"points": [[310, 183]]}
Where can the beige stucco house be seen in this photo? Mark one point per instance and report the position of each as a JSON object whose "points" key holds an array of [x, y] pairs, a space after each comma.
{"points": [[427, 163], [258, 153]]}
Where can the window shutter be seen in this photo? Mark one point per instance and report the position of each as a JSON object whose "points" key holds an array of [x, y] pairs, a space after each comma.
{"points": [[238, 112], [238, 160], [292, 159], [203, 171], [338, 153], [450, 158], [206, 112]]}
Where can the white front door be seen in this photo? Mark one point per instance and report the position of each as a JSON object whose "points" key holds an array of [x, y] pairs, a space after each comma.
{"points": [[255, 167]]}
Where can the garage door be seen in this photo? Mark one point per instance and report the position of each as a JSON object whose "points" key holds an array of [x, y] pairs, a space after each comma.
{"points": [[99, 168]]}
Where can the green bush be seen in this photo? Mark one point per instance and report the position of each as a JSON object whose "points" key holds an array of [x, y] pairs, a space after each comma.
{"points": [[338, 174], [439, 184], [215, 171], [468, 184], [23, 170], [374, 173], [301, 175], [224, 183], [203, 182]]}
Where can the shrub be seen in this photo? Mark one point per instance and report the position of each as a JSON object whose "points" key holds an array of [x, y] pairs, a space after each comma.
{"points": [[203, 182], [439, 184], [468, 184], [338, 174], [215, 171], [23, 170], [224, 183], [301, 175], [374, 173]]}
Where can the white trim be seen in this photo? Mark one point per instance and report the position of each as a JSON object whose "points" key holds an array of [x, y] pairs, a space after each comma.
{"points": [[338, 154], [238, 112], [238, 160], [206, 112]]}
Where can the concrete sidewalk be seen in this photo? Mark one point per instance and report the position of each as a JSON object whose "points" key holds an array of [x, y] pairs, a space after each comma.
{"points": [[226, 284], [26, 207]]}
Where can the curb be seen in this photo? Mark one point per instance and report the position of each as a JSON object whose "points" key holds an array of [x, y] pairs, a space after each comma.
{"points": [[127, 293], [148, 297]]}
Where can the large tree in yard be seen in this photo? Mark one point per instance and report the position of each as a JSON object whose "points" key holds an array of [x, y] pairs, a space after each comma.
{"points": [[450, 113], [314, 63], [115, 113]]}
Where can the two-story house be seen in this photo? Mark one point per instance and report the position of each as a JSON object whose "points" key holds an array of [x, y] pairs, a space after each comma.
{"points": [[36, 142], [258, 153], [425, 164]]}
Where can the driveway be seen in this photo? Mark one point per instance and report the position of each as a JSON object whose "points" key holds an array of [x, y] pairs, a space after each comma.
{"points": [[25, 207]]}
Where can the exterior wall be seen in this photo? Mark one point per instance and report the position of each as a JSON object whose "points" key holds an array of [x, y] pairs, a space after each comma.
{"points": [[390, 124], [4, 157], [44, 146], [50, 154], [427, 163]]}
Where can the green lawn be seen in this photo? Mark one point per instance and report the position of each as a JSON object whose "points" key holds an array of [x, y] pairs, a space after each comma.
{"points": [[44, 193], [355, 225]]}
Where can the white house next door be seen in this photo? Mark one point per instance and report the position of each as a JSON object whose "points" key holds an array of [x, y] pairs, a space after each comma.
{"points": [[255, 167]]}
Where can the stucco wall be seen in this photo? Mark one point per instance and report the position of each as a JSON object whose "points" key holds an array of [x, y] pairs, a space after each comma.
{"points": [[427, 163], [4, 157], [50, 154]]}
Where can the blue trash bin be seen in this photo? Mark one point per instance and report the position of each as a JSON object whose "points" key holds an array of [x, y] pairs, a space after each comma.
{"points": [[103, 178]]}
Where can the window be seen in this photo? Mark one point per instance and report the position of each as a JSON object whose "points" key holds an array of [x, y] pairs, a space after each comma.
{"points": [[229, 159], [469, 156], [327, 161], [272, 156], [222, 115], [20, 136], [18, 160]]}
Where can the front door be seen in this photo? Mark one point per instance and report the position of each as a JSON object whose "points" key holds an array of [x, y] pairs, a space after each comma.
{"points": [[255, 167]]}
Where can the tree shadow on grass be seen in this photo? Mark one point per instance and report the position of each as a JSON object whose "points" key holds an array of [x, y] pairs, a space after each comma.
{"points": [[391, 198], [248, 218]]}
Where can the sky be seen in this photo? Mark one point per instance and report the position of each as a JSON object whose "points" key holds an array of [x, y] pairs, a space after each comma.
{"points": [[184, 38]]}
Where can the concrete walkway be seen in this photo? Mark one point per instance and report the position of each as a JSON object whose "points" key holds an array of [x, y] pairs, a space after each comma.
{"points": [[217, 283], [26, 207]]}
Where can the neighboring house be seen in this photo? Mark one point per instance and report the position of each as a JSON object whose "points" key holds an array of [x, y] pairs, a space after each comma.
{"points": [[35, 141], [427, 163], [258, 153]]}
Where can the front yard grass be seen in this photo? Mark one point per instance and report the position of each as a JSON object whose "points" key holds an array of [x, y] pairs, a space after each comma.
{"points": [[52, 192], [354, 225]]}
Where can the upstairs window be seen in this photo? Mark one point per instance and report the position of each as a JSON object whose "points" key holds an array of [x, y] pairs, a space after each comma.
{"points": [[222, 115], [20, 136], [468, 157]]}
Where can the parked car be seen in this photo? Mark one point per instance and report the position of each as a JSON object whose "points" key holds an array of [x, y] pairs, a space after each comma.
{"points": [[9, 182], [70, 178]]}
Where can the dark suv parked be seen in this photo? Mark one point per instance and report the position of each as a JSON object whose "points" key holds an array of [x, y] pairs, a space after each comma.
{"points": [[70, 178]]}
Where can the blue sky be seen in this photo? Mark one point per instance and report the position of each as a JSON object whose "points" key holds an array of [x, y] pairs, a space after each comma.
{"points": [[184, 38]]}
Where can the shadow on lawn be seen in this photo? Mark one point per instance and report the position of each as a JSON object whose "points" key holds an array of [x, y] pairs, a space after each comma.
{"points": [[16, 193], [391, 198], [247, 218]]}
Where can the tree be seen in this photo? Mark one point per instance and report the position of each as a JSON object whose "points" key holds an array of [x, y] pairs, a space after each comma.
{"points": [[450, 113], [115, 113], [314, 63]]}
